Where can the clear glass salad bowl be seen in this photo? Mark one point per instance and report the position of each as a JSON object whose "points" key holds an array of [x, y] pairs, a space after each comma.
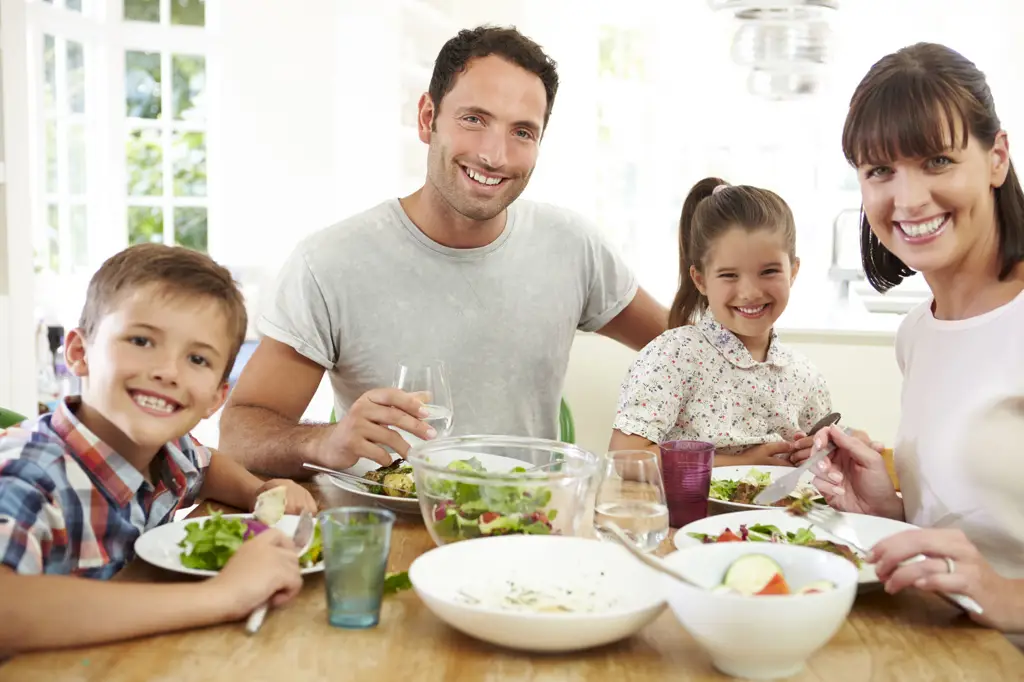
{"points": [[483, 486]]}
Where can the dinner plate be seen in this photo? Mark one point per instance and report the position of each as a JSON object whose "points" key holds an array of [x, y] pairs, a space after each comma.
{"points": [[869, 529], [159, 546], [737, 473], [411, 505]]}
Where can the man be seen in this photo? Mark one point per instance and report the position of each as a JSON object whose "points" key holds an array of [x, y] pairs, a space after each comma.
{"points": [[454, 271]]}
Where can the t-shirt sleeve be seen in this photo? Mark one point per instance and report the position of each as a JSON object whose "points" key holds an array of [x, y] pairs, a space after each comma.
{"points": [[298, 313], [656, 389], [612, 284], [818, 404], [28, 516]]}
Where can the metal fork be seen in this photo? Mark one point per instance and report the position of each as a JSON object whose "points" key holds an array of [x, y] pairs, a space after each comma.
{"points": [[833, 522]]}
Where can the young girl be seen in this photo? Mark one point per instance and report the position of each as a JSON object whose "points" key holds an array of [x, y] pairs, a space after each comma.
{"points": [[941, 197], [719, 374]]}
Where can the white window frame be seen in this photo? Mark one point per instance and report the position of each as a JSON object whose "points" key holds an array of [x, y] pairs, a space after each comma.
{"points": [[105, 37]]}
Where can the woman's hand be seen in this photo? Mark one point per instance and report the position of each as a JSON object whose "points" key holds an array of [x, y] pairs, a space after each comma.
{"points": [[966, 572], [854, 477]]}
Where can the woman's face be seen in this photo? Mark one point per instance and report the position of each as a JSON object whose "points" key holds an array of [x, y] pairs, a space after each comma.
{"points": [[932, 213]]}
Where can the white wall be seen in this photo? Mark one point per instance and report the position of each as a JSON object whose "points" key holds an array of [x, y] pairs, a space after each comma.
{"points": [[861, 373]]}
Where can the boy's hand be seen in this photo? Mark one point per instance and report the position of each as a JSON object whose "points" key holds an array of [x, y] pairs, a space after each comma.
{"points": [[265, 568], [297, 499]]}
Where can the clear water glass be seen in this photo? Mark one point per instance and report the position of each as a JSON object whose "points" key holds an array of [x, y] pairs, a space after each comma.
{"points": [[431, 378], [356, 542], [631, 494]]}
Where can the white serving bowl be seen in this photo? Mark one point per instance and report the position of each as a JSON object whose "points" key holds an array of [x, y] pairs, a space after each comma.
{"points": [[625, 595], [764, 637]]}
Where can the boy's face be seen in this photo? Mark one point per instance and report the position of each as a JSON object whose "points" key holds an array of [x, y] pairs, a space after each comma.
{"points": [[153, 369]]}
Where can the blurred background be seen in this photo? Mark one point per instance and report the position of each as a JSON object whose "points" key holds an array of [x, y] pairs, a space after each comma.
{"points": [[237, 127]]}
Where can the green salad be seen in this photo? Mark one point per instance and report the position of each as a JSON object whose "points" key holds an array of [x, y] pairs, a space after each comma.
{"points": [[468, 510], [761, 532], [209, 544]]}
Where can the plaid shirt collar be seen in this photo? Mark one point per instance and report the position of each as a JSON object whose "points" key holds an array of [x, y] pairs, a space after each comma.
{"points": [[111, 472], [733, 349]]}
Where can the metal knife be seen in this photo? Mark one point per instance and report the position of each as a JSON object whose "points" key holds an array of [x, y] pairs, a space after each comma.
{"points": [[785, 485]]}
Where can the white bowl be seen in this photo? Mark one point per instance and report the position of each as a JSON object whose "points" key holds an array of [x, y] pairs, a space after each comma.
{"points": [[623, 594], [765, 637]]}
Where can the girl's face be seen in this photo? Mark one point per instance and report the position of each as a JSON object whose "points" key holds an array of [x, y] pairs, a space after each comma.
{"points": [[746, 278], [934, 213]]}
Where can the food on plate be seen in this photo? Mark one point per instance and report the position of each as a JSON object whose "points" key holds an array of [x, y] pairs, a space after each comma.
{"points": [[768, 533], [511, 596], [466, 510], [801, 505], [756, 575], [210, 543], [398, 478], [744, 490], [269, 508]]}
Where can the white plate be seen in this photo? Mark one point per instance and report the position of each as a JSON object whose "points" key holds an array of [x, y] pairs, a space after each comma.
{"points": [[620, 595], [869, 529], [159, 546], [411, 505], [738, 473]]}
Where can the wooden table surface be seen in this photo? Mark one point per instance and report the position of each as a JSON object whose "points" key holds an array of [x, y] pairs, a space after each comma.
{"points": [[911, 636]]}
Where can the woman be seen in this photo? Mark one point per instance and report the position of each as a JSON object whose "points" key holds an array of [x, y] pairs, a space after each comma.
{"points": [[941, 197]]}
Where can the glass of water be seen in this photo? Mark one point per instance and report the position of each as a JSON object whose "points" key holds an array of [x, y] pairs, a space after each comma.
{"points": [[631, 494], [356, 541], [432, 378]]}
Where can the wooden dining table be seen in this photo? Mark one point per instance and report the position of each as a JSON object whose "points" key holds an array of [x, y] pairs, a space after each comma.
{"points": [[910, 636]]}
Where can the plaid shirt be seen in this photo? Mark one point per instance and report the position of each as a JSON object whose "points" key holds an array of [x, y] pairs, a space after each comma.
{"points": [[70, 505]]}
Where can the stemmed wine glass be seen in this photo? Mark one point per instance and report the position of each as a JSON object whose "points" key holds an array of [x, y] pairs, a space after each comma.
{"points": [[430, 378], [631, 494]]}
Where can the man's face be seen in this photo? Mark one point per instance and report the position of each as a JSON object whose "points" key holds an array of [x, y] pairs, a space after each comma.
{"points": [[484, 137]]}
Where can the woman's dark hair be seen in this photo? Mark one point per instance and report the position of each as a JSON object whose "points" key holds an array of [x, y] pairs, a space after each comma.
{"points": [[917, 103], [708, 212], [484, 41]]}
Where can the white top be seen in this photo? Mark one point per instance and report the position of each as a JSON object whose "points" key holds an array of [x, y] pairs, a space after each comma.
{"points": [[371, 292], [953, 373], [699, 382]]}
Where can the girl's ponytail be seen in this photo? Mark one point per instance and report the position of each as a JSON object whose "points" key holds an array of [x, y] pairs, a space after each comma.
{"points": [[689, 302]]}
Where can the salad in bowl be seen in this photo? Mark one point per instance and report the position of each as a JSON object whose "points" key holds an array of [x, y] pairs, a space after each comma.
{"points": [[485, 486]]}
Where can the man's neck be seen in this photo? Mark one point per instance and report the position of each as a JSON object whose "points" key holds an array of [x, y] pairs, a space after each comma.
{"points": [[435, 218]]}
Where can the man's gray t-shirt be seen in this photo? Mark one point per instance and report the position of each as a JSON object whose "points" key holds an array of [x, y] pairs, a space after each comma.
{"points": [[373, 291]]}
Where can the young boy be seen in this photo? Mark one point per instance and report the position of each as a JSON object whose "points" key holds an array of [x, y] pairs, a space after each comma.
{"points": [[157, 338]]}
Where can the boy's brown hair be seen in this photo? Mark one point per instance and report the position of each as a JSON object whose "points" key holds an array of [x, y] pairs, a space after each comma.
{"points": [[180, 272]]}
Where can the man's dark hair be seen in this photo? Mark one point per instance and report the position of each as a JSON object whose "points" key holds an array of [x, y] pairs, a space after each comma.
{"points": [[484, 41]]}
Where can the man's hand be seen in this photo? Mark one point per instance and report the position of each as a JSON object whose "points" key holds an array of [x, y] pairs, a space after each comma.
{"points": [[364, 431]]}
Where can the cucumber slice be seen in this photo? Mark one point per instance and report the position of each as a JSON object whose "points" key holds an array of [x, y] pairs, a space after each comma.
{"points": [[817, 586], [749, 574]]}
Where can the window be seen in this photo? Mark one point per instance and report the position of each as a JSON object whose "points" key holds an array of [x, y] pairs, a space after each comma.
{"points": [[62, 245], [165, 133]]}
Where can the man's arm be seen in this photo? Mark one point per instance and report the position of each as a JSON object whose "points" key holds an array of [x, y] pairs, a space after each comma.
{"points": [[260, 425], [639, 323]]}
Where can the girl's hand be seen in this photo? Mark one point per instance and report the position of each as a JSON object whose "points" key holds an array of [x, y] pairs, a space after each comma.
{"points": [[1001, 598], [854, 478], [765, 455]]}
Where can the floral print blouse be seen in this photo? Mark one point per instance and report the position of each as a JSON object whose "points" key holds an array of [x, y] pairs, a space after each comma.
{"points": [[699, 382]]}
